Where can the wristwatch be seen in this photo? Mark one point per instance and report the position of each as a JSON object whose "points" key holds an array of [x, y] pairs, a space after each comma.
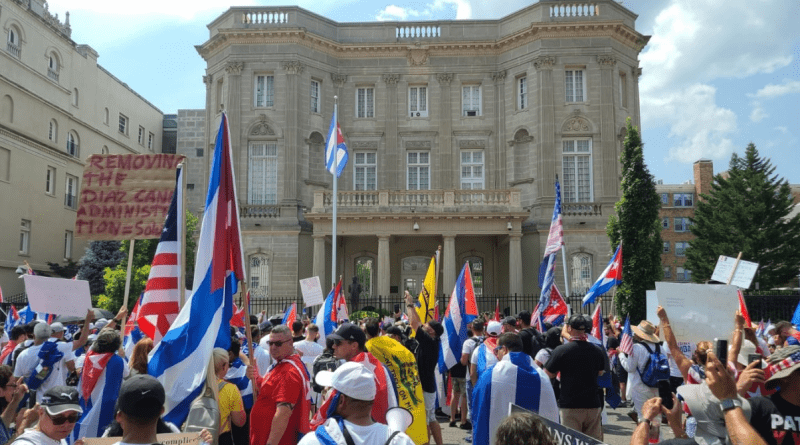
{"points": [[729, 404]]}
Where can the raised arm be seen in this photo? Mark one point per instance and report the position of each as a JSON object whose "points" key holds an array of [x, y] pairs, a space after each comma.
{"points": [[738, 336], [684, 364], [411, 310]]}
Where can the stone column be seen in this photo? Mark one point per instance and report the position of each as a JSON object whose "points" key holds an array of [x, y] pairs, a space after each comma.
{"points": [[500, 179], [636, 73], [448, 156], [233, 107], [291, 141], [449, 268], [606, 183], [383, 265], [546, 165], [515, 263], [390, 160], [318, 266], [201, 183]]}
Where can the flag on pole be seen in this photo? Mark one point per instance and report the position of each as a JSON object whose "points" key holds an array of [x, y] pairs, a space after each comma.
{"points": [[237, 320], [549, 267], [326, 317], [536, 319], [132, 331], [290, 316], [13, 318], [427, 296], [556, 312], [461, 310], [27, 314], [497, 310], [555, 239], [626, 342], [181, 358], [335, 148], [597, 324], [611, 276], [160, 302], [342, 314], [743, 310]]}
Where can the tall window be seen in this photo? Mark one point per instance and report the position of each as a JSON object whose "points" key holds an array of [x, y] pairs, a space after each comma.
{"points": [[476, 267], [72, 144], [666, 246], [471, 100], [472, 170], [577, 166], [68, 244], [52, 131], [682, 274], [665, 198], [71, 192], [522, 93], [259, 276], [682, 224], [581, 272], [623, 90], [264, 91], [575, 85], [418, 101], [123, 124], [665, 223], [667, 272], [13, 45], [141, 135], [365, 102], [263, 174], [683, 199], [52, 67], [365, 270], [314, 96], [680, 248], [25, 237], [418, 170], [365, 171], [150, 140], [50, 181]]}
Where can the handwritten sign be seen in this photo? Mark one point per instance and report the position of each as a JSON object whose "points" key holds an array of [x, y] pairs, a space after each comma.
{"points": [[60, 296], [125, 197], [312, 291], [745, 271], [698, 312], [165, 439], [561, 435]]}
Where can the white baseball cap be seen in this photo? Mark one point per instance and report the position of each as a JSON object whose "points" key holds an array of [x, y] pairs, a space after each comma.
{"points": [[351, 379], [494, 328], [57, 327]]}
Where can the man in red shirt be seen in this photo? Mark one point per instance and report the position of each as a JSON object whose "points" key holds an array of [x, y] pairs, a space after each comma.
{"points": [[282, 407]]}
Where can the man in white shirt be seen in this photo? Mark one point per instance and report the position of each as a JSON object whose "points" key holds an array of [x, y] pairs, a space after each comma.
{"points": [[310, 350], [59, 411], [29, 360], [637, 363], [260, 354]]}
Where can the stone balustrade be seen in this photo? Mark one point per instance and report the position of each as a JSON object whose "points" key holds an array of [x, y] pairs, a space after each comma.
{"points": [[265, 16], [418, 200], [259, 211], [582, 209], [53, 74], [418, 31], [574, 10], [14, 50]]}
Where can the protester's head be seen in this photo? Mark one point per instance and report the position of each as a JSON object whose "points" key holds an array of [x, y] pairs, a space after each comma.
{"points": [[434, 329], [41, 332], [280, 343], [579, 324], [255, 333], [58, 412], [506, 343], [221, 362], [479, 325], [107, 341], [140, 403], [494, 328], [510, 324], [645, 331], [524, 319], [552, 337], [297, 328], [265, 327], [329, 344], [7, 383], [349, 341], [234, 349], [396, 333], [701, 352], [372, 327], [523, 429], [355, 383], [29, 328], [784, 329], [18, 334], [139, 355], [57, 329], [312, 332], [100, 324], [783, 369]]}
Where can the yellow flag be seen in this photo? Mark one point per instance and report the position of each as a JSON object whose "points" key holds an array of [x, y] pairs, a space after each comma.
{"points": [[403, 366], [427, 295]]}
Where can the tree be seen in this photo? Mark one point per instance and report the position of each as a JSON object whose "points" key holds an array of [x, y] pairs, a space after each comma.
{"points": [[68, 270], [98, 256], [746, 212], [638, 227]]}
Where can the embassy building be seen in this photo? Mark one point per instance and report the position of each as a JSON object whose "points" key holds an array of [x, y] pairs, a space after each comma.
{"points": [[456, 132]]}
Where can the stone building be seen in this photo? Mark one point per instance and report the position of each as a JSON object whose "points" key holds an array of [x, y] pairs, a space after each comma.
{"points": [[57, 107], [456, 131]]}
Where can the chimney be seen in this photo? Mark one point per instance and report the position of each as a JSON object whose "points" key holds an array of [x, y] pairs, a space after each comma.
{"points": [[703, 176]]}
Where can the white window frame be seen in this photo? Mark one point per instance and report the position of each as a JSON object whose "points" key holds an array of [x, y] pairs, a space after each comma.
{"points": [[262, 177], [573, 188], [581, 270], [25, 237], [665, 223], [150, 140], [468, 106], [418, 100], [365, 168], [365, 102], [316, 89], [265, 97], [421, 169], [667, 272], [469, 176], [123, 124], [50, 181], [680, 248], [666, 247], [141, 136], [71, 199], [665, 199], [574, 88], [522, 92], [683, 199], [14, 45], [68, 238], [73, 145], [259, 276], [52, 132], [682, 224]]}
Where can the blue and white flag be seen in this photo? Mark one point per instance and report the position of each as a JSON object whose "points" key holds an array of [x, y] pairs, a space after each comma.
{"points": [[181, 359], [611, 276], [335, 148], [237, 374], [549, 267], [27, 315], [101, 379], [515, 379], [461, 310], [326, 317], [484, 355]]}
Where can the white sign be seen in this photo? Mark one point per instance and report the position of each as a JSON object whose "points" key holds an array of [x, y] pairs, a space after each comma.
{"points": [[745, 271], [652, 306], [59, 296], [312, 291], [165, 439], [699, 312]]}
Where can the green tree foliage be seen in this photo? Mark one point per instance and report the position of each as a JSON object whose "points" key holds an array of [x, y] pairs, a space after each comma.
{"points": [[98, 256], [637, 226], [746, 212], [68, 270]]}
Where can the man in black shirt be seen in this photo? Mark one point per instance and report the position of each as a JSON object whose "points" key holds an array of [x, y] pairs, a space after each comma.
{"points": [[427, 359], [580, 363], [776, 418], [531, 343]]}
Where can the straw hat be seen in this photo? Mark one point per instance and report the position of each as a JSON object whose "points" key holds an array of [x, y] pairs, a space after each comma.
{"points": [[646, 331]]}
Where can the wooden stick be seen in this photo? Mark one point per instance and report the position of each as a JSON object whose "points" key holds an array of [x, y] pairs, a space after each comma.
{"points": [[249, 336], [182, 242], [735, 265], [127, 285]]}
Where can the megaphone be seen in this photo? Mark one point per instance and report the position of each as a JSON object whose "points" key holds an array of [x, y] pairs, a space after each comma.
{"points": [[398, 419]]}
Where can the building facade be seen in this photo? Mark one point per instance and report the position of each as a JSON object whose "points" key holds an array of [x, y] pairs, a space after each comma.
{"points": [[57, 108], [456, 131]]}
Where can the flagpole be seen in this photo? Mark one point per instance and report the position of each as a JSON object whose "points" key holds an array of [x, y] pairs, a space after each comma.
{"points": [[335, 196], [127, 285], [436, 279], [182, 235], [566, 278]]}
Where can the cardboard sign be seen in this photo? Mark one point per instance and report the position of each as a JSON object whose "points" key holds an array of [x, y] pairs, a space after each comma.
{"points": [[745, 271], [561, 434], [165, 439], [60, 296], [125, 197], [698, 312], [312, 291]]}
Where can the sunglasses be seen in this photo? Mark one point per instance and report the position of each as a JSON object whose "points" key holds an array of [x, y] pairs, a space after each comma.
{"points": [[278, 344], [60, 420]]}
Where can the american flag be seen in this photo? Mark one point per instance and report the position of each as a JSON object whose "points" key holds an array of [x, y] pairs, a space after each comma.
{"points": [[626, 342], [536, 319], [161, 301], [555, 239]]}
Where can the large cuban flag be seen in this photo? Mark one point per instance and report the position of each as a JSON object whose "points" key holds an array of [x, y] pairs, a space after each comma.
{"points": [[611, 276], [461, 310], [180, 360], [335, 148], [101, 379], [327, 315], [514, 379]]}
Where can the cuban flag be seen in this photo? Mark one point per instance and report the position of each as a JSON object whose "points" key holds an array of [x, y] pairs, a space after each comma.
{"points": [[461, 310], [181, 359], [101, 379], [556, 312], [237, 374], [290, 316], [743, 310], [326, 317], [596, 336], [132, 331], [537, 322], [342, 314], [335, 148], [515, 379], [160, 302], [611, 276], [485, 357], [13, 318], [27, 315], [238, 318], [626, 341]]}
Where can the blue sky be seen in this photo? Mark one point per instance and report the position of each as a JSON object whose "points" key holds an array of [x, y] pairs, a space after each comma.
{"points": [[716, 75]]}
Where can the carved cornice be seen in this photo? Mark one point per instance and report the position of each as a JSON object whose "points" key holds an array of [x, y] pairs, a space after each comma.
{"points": [[576, 124], [339, 79], [293, 67], [234, 68], [499, 76], [362, 145], [472, 143], [522, 140], [208, 80], [606, 61], [444, 78], [262, 128], [391, 79], [544, 63], [418, 144]]}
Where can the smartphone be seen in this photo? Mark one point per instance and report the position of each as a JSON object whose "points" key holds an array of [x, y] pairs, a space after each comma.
{"points": [[721, 351], [754, 357], [665, 392], [32, 398]]}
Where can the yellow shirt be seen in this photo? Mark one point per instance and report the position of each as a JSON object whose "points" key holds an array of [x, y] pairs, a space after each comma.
{"points": [[230, 401]]}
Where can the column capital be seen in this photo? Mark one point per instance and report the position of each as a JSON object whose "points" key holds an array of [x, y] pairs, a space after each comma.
{"points": [[208, 80], [293, 67], [606, 61], [391, 78], [339, 79], [234, 68], [383, 237], [515, 235], [444, 78], [544, 63]]}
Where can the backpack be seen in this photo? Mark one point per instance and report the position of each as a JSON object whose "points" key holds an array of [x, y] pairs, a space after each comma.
{"points": [[657, 367], [537, 341], [204, 413], [325, 362]]}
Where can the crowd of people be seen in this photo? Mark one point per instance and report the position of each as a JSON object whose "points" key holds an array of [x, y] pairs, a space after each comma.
{"points": [[379, 382]]}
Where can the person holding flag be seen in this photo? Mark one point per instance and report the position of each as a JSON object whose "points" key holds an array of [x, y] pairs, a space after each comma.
{"points": [[427, 295]]}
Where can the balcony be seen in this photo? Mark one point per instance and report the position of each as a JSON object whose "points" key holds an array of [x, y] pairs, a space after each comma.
{"points": [[582, 209], [13, 49], [421, 201], [250, 211], [52, 74]]}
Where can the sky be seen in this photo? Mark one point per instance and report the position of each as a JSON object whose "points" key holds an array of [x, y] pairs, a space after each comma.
{"points": [[715, 75]]}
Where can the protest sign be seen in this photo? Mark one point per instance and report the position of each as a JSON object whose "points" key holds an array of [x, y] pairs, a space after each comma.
{"points": [[561, 434], [312, 291], [698, 312], [652, 306], [59, 296], [742, 277], [125, 197], [164, 439]]}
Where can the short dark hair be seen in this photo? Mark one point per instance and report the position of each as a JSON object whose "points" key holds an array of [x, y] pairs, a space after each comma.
{"points": [[524, 317], [297, 326], [312, 327], [511, 340], [107, 341], [523, 429], [236, 347], [16, 332], [478, 324], [6, 374], [781, 325], [372, 327]]}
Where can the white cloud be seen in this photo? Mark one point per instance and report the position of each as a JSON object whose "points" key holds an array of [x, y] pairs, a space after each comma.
{"points": [[782, 129], [758, 114], [772, 91], [394, 12]]}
